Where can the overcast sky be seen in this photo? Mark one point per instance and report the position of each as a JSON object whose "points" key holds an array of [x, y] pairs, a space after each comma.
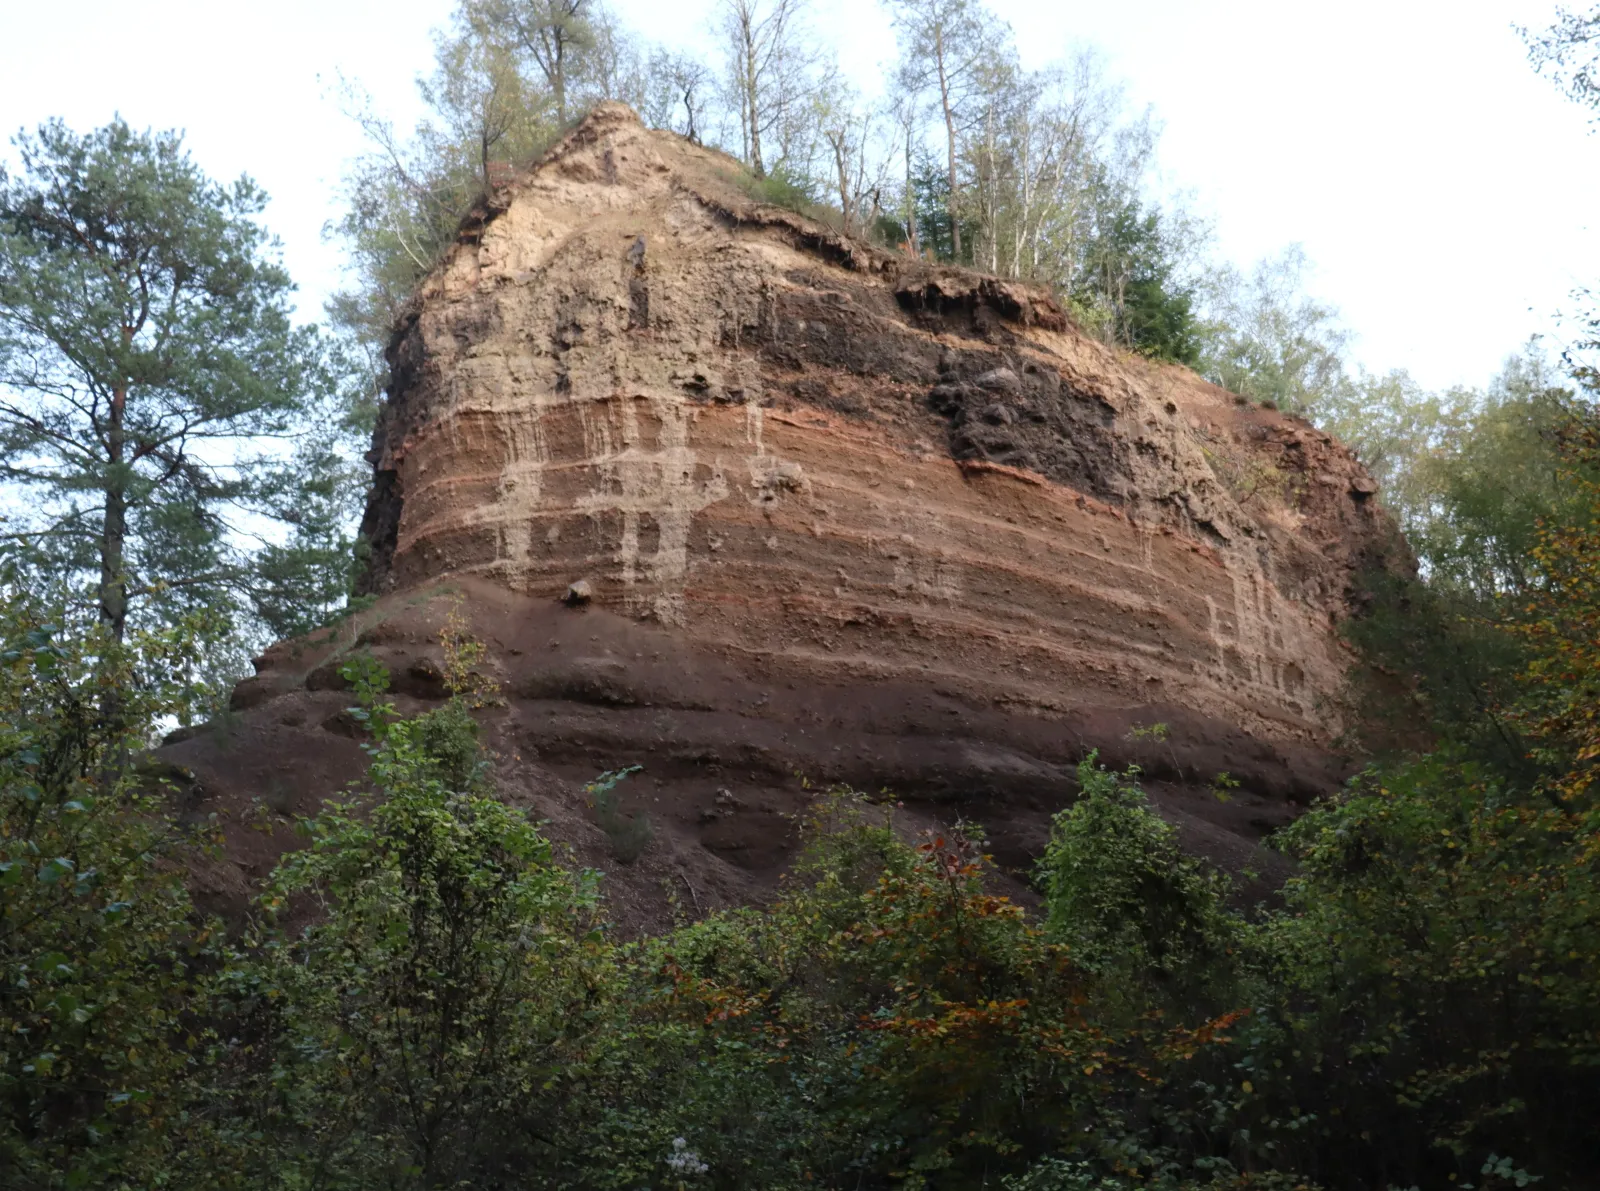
{"points": [[1441, 188]]}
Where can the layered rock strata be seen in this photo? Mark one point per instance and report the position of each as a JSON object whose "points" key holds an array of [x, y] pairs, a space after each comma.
{"points": [[837, 516], [766, 438]]}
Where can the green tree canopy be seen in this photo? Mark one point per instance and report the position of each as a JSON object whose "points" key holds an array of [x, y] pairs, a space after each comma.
{"points": [[152, 380], [1266, 339]]}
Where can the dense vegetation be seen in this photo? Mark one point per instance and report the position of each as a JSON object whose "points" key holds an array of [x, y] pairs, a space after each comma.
{"points": [[428, 995]]}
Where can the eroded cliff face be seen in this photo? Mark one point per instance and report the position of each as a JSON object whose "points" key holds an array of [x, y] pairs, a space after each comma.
{"points": [[751, 433], [845, 517]]}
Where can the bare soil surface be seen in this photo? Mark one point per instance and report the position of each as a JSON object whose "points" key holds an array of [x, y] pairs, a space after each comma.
{"points": [[733, 749]]}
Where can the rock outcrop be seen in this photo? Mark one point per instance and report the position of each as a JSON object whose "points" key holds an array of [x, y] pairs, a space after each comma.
{"points": [[830, 512]]}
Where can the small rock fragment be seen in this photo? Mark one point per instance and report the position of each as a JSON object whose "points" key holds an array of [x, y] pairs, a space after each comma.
{"points": [[998, 380]]}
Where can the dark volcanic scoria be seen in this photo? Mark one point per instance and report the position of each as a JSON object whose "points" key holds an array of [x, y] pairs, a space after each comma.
{"points": [[841, 516]]}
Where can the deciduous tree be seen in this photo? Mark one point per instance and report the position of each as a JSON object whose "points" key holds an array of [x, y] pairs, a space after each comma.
{"points": [[768, 73], [556, 34], [944, 47]]}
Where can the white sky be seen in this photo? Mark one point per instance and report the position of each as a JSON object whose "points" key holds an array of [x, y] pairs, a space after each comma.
{"points": [[1440, 187]]}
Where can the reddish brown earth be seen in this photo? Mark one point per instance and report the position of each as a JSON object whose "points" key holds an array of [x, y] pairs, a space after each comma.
{"points": [[846, 517]]}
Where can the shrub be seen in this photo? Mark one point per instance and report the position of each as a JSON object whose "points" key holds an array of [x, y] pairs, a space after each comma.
{"points": [[782, 189], [1126, 900], [888, 1021], [419, 1031], [1427, 990], [630, 835], [102, 960]]}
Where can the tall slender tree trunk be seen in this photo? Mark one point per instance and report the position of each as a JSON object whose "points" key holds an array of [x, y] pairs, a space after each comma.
{"points": [[950, 139], [911, 201], [1027, 183], [752, 103], [114, 532], [991, 191], [838, 147], [558, 82]]}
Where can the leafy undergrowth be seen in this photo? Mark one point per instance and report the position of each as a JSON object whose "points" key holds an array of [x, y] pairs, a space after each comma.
{"points": [[427, 997]]}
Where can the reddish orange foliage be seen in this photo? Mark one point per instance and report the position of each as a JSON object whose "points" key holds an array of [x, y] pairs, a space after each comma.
{"points": [[1562, 623]]}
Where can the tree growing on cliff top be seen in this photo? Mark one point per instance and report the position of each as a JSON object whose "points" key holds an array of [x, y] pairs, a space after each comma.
{"points": [[946, 47], [556, 34], [770, 67], [148, 362]]}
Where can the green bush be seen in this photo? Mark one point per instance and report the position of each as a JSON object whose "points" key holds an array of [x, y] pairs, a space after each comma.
{"points": [[1426, 1003], [103, 963], [782, 189], [420, 1029], [629, 835], [886, 1022], [1123, 896]]}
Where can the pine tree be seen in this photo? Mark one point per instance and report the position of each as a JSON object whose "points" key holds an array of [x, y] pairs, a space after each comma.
{"points": [[149, 371]]}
